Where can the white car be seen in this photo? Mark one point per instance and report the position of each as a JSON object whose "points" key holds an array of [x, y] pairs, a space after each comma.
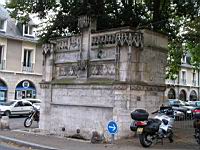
{"points": [[16, 107], [35, 102]]}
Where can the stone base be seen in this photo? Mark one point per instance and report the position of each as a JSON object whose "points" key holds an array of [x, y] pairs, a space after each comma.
{"points": [[89, 108]]}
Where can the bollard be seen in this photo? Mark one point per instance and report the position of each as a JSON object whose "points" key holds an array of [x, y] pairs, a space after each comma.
{"points": [[5, 123]]}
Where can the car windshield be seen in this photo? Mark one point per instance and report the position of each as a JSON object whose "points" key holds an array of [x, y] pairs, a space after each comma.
{"points": [[198, 104], [8, 103], [176, 103]]}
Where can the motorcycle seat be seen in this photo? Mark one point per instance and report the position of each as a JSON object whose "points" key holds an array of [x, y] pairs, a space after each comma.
{"points": [[154, 120]]}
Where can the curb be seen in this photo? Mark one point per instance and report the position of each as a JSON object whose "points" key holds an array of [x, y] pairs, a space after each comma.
{"points": [[26, 144]]}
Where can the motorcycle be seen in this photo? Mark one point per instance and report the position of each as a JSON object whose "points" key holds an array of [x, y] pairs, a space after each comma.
{"points": [[34, 116], [150, 130], [196, 124]]}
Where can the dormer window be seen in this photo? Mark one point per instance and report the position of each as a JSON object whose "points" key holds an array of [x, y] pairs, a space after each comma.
{"points": [[3, 25], [184, 59], [28, 30]]}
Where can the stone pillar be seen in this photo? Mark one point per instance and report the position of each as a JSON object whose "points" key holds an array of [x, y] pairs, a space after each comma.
{"points": [[45, 85], [48, 62], [86, 25]]}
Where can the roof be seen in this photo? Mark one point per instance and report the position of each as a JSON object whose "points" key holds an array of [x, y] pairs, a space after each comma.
{"points": [[14, 30], [3, 13]]}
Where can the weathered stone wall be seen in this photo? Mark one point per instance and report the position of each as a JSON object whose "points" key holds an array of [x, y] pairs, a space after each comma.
{"points": [[90, 107]]}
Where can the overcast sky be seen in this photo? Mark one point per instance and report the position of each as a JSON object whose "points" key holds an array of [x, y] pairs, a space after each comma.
{"points": [[2, 1]]}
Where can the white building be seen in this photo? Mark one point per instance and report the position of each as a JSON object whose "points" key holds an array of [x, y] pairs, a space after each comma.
{"points": [[186, 86], [20, 59]]}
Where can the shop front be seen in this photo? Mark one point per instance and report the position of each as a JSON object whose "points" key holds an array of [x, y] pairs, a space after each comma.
{"points": [[25, 89], [3, 92]]}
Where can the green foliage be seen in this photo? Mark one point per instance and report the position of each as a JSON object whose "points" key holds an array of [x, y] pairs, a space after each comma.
{"points": [[174, 58]]}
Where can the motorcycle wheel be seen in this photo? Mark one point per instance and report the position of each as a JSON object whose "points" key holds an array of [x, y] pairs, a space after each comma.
{"points": [[197, 135], [28, 122], [145, 139]]}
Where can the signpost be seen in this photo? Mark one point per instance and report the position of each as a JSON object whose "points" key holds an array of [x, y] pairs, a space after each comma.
{"points": [[112, 129]]}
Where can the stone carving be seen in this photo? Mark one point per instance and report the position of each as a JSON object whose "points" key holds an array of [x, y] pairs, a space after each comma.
{"points": [[130, 38], [120, 87], [147, 88], [69, 44], [66, 57], [84, 21], [102, 69], [67, 71], [47, 49], [44, 85], [102, 53], [82, 65]]}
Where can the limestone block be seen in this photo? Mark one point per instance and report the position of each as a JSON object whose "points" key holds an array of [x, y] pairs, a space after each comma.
{"points": [[5, 123]]}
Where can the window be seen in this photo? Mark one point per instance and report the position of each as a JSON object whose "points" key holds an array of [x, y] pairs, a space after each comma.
{"points": [[2, 61], [27, 58], [28, 30], [183, 77], [1, 53], [194, 78], [184, 59], [2, 25]]}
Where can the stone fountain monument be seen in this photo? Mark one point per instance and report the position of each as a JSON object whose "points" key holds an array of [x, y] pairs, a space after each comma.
{"points": [[98, 76]]}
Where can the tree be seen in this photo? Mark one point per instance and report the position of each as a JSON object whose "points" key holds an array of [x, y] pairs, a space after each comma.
{"points": [[165, 16]]}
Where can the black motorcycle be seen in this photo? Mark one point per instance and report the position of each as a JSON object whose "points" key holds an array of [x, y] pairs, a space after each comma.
{"points": [[150, 130], [196, 124], [34, 116]]}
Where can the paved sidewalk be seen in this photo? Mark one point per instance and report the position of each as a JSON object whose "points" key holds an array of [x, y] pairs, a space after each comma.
{"points": [[49, 142]]}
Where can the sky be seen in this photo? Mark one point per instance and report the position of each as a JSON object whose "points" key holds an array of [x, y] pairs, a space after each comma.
{"points": [[2, 1]]}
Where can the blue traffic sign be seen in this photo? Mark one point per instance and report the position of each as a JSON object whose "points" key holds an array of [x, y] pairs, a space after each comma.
{"points": [[112, 127]]}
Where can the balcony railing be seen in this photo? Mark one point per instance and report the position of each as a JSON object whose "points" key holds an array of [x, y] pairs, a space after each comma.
{"points": [[183, 81], [2, 64], [28, 68], [194, 82]]}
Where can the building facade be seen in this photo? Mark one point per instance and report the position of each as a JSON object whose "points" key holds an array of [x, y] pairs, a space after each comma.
{"points": [[186, 85], [20, 59]]}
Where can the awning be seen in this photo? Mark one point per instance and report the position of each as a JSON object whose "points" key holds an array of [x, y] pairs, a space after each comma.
{"points": [[22, 88], [3, 88]]}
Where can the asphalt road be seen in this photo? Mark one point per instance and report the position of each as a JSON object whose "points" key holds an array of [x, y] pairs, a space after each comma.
{"points": [[17, 123]]}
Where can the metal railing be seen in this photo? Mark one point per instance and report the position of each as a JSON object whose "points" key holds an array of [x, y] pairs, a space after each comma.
{"points": [[27, 68], [194, 82], [183, 81]]}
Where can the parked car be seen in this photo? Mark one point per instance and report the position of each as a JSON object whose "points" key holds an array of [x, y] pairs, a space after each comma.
{"points": [[195, 104], [178, 106], [16, 107], [35, 102]]}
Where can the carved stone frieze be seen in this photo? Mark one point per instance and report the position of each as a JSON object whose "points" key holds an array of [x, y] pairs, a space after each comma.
{"points": [[134, 39], [67, 70], [102, 53], [147, 88], [44, 85], [102, 69], [121, 87], [69, 44], [66, 57]]}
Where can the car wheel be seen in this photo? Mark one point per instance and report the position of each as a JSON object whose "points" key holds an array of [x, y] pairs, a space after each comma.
{"points": [[7, 113]]}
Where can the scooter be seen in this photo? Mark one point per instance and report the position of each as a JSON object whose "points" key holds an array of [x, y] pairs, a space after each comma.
{"points": [[151, 130], [196, 124], [34, 116]]}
